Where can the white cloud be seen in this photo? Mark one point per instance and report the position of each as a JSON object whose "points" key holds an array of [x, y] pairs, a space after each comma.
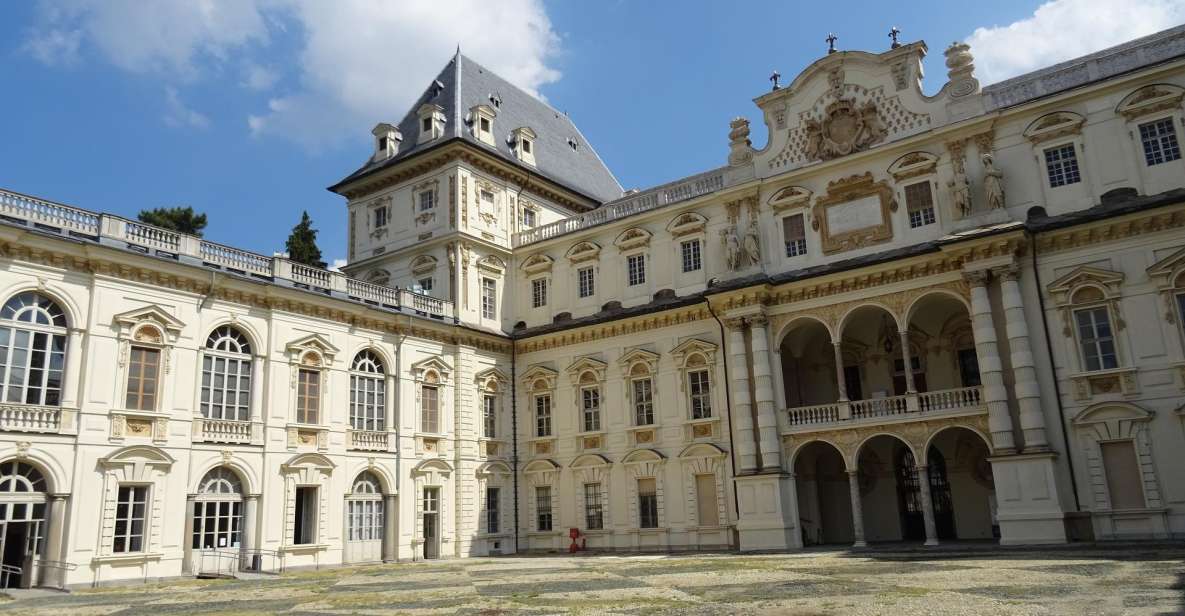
{"points": [[178, 114], [338, 264], [1065, 29], [358, 61]]}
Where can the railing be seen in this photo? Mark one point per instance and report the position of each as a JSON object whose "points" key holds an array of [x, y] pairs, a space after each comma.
{"points": [[880, 407], [368, 440], [820, 413], [950, 399], [370, 292], [963, 398], [235, 259], [222, 430], [6, 572], [49, 213], [423, 303], [21, 418], [153, 237], [227, 562], [311, 276], [653, 198], [60, 567]]}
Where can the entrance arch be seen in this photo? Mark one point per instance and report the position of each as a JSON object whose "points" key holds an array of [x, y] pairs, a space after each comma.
{"points": [[365, 522], [963, 454], [808, 364], [23, 497], [824, 496], [889, 493]]}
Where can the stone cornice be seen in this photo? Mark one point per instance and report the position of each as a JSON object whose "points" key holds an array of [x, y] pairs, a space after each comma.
{"points": [[619, 327], [1111, 229]]}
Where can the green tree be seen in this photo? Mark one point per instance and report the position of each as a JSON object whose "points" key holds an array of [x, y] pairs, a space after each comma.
{"points": [[302, 243], [180, 219]]}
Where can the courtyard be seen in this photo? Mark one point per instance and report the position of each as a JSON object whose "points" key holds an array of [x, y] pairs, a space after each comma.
{"points": [[1137, 579]]}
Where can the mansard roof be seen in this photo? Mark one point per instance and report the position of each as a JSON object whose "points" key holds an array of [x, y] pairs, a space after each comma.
{"points": [[464, 84]]}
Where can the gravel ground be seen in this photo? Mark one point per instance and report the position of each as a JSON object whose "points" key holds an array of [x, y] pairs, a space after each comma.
{"points": [[1138, 580]]}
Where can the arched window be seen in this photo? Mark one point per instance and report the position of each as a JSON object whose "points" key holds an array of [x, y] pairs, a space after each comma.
{"points": [[364, 519], [32, 350], [218, 511], [226, 375], [16, 476], [368, 392]]}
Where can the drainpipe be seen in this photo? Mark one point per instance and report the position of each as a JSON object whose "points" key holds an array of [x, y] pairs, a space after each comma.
{"points": [[1057, 390], [514, 433], [727, 402]]}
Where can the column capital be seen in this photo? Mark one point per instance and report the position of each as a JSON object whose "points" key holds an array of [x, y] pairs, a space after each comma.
{"points": [[735, 324], [977, 278], [852, 473], [1010, 272], [252, 497], [59, 496], [757, 320]]}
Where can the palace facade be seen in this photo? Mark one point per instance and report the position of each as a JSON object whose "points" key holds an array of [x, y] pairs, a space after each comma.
{"points": [[907, 317]]}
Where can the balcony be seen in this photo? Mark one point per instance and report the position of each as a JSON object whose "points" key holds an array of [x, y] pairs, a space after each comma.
{"points": [[28, 418], [910, 407], [231, 431], [368, 440]]}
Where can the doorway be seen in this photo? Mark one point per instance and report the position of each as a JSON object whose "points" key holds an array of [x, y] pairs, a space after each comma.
{"points": [[431, 523], [22, 522]]}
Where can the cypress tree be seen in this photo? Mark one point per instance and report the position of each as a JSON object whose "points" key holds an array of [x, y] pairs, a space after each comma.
{"points": [[302, 243]]}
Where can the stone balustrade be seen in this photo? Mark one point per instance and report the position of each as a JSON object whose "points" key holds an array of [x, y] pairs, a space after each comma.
{"points": [[30, 418], [368, 440], [209, 430], [882, 409]]}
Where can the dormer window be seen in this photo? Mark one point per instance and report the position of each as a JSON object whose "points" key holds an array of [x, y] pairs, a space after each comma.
{"points": [[426, 125], [386, 141], [523, 142], [481, 118], [431, 122], [485, 125]]}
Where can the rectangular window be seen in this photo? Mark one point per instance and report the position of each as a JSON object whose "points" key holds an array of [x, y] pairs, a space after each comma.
{"points": [[643, 402], [427, 200], [304, 511], [528, 216], [1061, 164], [647, 503], [587, 283], [969, 368], [593, 515], [131, 507], [493, 516], [700, 389], [368, 402], [636, 266], [526, 146], [794, 232], [919, 201], [485, 125], [382, 144], [1159, 139], [539, 292], [691, 256], [489, 298], [143, 374], [705, 500], [308, 396], [380, 217], [490, 415], [543, 415], [542, 508], [429, 409], [426, 285], [1096, 339], [590, 403], [1122, 470], [426, 125]]}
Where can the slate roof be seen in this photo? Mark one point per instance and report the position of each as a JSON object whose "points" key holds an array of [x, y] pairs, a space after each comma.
{"points": [[464, 84]]}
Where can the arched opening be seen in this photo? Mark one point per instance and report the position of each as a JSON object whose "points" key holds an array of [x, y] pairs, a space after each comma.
{"points": [[364, 519], [873, 366], [218, 513], [942, 346], [961, 485], [889, 490], [808, 364], [824, 498], [22, 521]]}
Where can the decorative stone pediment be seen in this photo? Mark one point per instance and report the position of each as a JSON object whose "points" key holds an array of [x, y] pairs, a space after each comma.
{"points": [[590, 460], [313, 349], [1150, 99], [790, 197], [702, 450], [643, 456], [1169, 276], [1107, 412], [491, 264], [638, 356], [694, 346], [912, 165], [138, 456], [1066, 287], [587, 365], [855, 213], [583, 251], [537, 263], [491, 378], [687, 222], [1054, 125], [423, 264], [538, 378], [494, 467], [431, 368], [634, 237], [132, 320]]}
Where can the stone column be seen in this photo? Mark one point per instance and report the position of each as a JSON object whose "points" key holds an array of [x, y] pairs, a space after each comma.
{"points": [[187, 539], [857, 510], [767, 419], [55, 540], [923, 472], [840, 382], [390, 530], [73, 370], [990, 368], [910, 388], [1028, 393], [248, 541], [742, 414]]}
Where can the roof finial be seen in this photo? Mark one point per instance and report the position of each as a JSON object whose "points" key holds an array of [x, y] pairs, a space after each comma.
{"points": [[831, 38], [458, 49], [893, 32], [775, 78]]}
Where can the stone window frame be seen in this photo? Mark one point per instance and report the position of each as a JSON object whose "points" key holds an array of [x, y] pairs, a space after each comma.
{"points": [[1150, 103], [133, 329], [257, 357], [589, 373], [432, 372], [806, 240], [636, 365], [540, 290], [524, 141], [539, 473], [540, 381], [631, 243], [592, 468], [694, 355], [421, 215], [477, 114], [493, 382], [1108, 284], [581, 255], [687, 227], [311, 352], [645, 464], [434, 113], [704, 459], [496, 474], [914, 168], [433, 473], [141, 465], [306, 470], [1113, 422]]}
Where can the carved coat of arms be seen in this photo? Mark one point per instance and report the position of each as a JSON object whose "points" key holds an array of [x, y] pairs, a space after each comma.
{"points": [[845, 128]]}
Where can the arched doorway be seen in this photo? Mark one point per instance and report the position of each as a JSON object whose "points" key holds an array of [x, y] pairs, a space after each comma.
{"points": [[961, 484], [22, 521], [824, 498], [942, 346], [364, 520], [888, 490], [871, 346], [218, 512], [909, 496], [808, 364]]}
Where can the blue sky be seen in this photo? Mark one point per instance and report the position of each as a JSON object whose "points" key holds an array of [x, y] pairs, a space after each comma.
{"points": [[248, 109]]}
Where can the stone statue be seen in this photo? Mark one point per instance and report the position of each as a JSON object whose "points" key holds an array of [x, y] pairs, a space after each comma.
{"points": [[732, 248], [753, 244], [961, 192], [993, 183]]}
